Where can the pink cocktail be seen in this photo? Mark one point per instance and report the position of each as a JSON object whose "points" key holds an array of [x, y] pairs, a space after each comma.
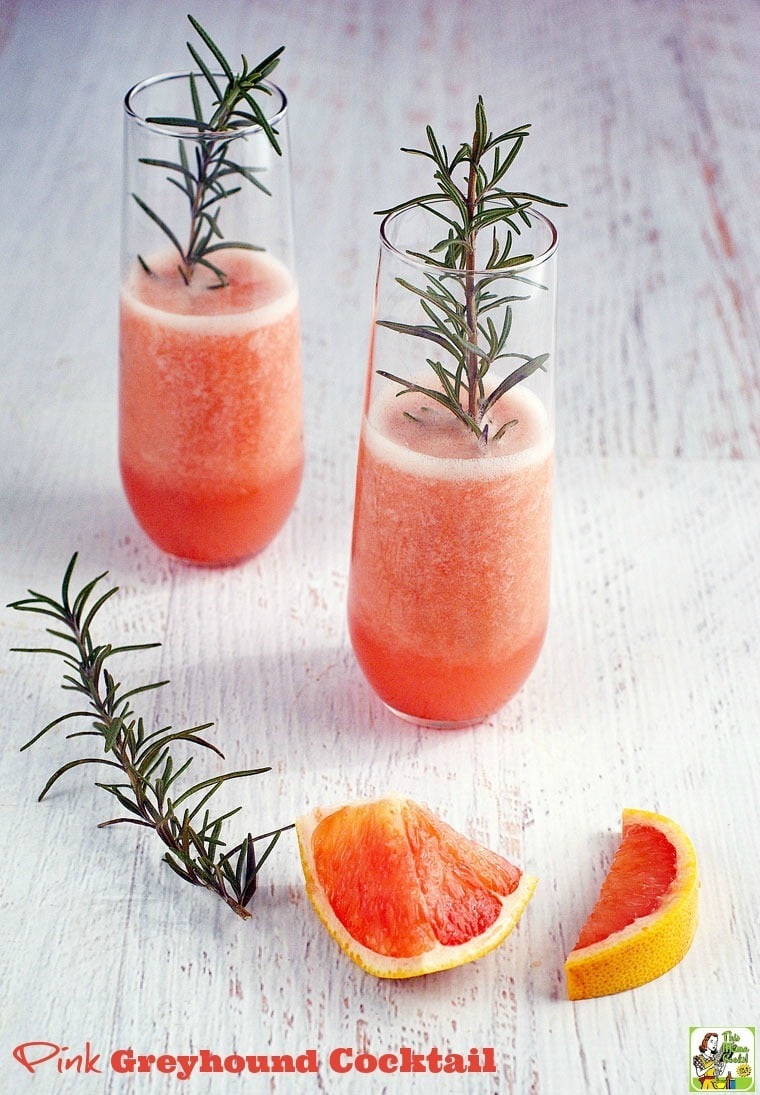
{"points": [[211, 446], [448, 596], [210, 394], [449, 590]]}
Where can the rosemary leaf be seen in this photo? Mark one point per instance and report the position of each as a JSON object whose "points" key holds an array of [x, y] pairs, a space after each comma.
{"points": [[470, 199], [234, 106]]}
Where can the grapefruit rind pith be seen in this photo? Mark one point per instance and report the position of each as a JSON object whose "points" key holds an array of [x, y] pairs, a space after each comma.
{"points": [[437, 956], [651, 945]]}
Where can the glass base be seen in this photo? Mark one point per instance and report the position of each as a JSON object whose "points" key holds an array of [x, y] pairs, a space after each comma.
{"points": [[201, 564], [215, 529], [436, 724]]}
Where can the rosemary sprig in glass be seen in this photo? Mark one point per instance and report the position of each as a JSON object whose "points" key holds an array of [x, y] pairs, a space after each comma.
{"points": [[146, 774], [460, 307], [204, 173]]}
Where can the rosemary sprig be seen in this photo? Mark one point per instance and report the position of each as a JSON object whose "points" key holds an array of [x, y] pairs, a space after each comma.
{"points": [[205, 172], [470, 199], [145, 772]]}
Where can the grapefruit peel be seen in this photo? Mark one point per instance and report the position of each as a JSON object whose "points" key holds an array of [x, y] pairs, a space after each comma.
{"points": [[649, 945], [380, 899]]}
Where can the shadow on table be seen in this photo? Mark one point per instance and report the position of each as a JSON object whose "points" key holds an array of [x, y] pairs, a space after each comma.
{"points": [[316, 694], [49, 528]]}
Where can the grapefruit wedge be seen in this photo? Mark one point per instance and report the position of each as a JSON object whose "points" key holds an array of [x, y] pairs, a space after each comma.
{"points": [[401, 892], [645, 918]]}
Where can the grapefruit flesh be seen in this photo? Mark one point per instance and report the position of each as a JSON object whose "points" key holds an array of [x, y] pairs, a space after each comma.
{"points": [[403, 893], [645, 918]]}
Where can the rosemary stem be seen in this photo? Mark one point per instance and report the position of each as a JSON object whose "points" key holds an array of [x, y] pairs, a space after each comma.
{"points": [[195, 210], [105, 712], [206, 159], [196, 851], [471, 313]]}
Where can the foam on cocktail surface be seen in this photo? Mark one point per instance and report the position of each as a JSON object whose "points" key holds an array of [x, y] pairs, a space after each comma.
{"points": [[421, 437], [261, 292], [211, 445], [449, 583]]}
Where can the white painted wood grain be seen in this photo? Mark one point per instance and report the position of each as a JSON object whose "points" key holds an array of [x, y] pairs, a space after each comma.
{"points": [[645, 122]]}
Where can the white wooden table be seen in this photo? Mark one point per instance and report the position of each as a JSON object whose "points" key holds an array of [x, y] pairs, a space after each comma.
{"points": [[645, 120]]}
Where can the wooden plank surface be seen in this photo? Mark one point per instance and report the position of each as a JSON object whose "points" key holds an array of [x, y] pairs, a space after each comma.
{"points": [[644, 119]]}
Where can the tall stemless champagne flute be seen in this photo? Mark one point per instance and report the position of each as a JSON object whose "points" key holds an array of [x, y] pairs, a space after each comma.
{"points": [[210, 400], [449, 578]]}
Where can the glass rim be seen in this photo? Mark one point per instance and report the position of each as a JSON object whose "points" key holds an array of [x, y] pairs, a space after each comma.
{"points": [[186, 131], [412, 260]]}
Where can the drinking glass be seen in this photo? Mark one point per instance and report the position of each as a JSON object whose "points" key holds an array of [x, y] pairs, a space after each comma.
{"points": [[210, 398], [448, 595]]}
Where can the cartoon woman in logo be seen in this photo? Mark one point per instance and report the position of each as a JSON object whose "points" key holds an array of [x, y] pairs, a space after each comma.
{"points": [[709, 1064]]}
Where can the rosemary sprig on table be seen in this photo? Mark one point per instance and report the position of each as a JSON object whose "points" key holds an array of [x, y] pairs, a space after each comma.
{"points": [[204, 173], [460, 310], [147, 775]]}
